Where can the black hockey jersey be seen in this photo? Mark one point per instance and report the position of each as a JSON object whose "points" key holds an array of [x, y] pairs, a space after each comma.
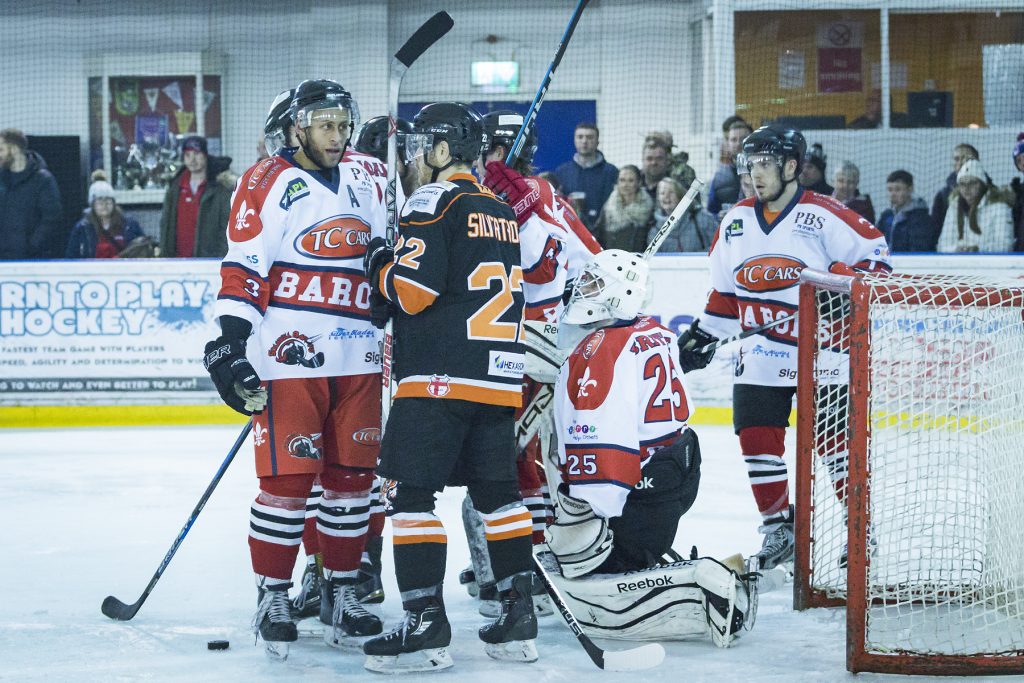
{"points": [[458, 284]]}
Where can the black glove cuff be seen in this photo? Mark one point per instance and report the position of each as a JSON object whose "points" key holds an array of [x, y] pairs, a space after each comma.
{"points": [[234, 327]]}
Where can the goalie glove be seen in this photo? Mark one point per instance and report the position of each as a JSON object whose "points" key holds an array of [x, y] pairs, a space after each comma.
{"points": [[236, 380], [579, 539], [513, 187], [690, 341]]}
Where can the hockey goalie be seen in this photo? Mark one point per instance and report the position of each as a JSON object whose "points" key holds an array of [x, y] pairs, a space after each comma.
{"points": [[627, 469]]}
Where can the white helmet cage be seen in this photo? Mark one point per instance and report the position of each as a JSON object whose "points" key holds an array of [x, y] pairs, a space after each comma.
{"points": [[615, 285]]}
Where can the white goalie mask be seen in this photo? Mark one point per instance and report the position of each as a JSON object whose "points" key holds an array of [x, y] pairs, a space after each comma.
{"points": [[615, 285]]}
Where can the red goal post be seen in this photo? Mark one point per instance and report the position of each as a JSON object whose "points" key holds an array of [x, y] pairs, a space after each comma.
{"points": [[910, 468]]}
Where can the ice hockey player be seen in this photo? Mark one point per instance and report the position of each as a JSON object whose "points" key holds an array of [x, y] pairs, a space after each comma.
{"points": [[456, 283], [297, 347], [629, 468], [555, 245], [373, 140], [279, 131], [757, 254]]}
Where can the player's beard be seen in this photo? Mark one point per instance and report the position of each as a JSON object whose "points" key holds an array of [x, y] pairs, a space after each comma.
{"points": [[320, 156]]}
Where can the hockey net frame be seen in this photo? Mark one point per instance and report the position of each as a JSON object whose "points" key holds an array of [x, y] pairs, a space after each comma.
{"points": [[909, 609]]}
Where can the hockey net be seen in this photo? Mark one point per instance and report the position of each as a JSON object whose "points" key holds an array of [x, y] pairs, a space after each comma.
{"points": [[911, 455]]}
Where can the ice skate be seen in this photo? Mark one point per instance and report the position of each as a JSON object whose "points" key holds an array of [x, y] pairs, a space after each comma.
{"points": [[541, 601], [419, 643], [350, 621], [273, 620], [512, 637], [369, 588], [307, 602], [779, 542], [489, 601], [467, 577]]}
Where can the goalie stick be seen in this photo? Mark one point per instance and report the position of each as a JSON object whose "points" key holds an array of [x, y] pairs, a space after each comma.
{"points": [[635, 659], [746, 333], [432, 30], [114, 608]]}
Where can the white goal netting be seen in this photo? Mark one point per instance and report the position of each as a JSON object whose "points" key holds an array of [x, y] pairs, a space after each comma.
{"points": [[944, 380]]}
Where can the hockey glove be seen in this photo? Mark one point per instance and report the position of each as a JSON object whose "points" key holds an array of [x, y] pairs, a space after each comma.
{"points": [[690, 343], [512, 186], [378, 254], [236, 381]]}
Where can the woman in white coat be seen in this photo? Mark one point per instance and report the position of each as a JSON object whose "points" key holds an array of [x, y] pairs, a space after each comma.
{"points": [[979, 218]]}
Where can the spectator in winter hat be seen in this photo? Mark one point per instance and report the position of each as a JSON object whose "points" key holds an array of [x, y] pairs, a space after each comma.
{"points": [[979, 218], [813, 174], [104, 230]]}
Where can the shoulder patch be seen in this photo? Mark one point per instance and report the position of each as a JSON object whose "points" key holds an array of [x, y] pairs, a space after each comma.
{"points": [[296, 190], [259, 171], [425, 198]]}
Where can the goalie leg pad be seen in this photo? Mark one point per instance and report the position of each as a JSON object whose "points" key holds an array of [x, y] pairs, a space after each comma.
{"points": [[731, 601], [649, 521], [579, 539]]}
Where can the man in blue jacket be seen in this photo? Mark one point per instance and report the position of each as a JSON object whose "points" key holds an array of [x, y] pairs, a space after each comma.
{"points": [[30, 211], [906, 224], [587, 178]]}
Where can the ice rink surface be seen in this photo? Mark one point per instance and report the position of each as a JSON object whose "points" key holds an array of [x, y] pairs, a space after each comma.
{"points": [[91, 512]]}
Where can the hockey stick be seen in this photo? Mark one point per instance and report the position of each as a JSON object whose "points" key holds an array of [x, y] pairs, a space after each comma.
{"points": [[531, 114], [635, 659], [746, 333], [677, 213], [114, 608], [426, 35]]}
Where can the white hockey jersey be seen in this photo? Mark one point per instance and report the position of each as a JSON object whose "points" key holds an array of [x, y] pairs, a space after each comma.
{"points": [[555, 245], [294, 266], [755, 274], [620, 396]]}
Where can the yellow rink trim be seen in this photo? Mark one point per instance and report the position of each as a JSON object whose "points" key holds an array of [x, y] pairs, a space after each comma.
{"points": [[43, 417], [40, 417]]}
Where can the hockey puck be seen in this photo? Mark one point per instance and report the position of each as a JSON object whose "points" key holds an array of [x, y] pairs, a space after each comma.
{"points": [[217, 645]]}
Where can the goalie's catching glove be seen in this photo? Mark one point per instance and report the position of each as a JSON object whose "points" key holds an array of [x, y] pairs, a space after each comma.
{"points": [[690, 342], [232, 374]]}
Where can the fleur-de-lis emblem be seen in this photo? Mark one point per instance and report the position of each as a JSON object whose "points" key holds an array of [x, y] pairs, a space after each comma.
{"points": [[585, 383], [259, 434]]}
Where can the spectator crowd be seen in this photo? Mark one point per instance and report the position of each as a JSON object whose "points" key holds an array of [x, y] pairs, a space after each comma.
{"points": [[621, 205]]}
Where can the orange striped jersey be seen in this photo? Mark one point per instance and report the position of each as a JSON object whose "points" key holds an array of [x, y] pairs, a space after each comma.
{"points": [[294, 266], [620, 395], [755, 274], [457, 283]]}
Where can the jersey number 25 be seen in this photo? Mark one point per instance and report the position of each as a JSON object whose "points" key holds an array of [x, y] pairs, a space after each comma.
{"points": [[667, 401]]}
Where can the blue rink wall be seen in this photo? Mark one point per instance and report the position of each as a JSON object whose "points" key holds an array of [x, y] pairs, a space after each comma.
{"points": [[105, 343]]}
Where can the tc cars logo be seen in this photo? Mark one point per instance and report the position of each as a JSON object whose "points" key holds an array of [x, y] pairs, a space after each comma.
{"points": [[769, 273], [338, 237]]}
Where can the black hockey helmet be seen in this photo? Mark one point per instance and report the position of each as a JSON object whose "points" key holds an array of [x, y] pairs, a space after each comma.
{"points": [[279, 119], [781, 141], [372, 138], [457, 124], [503, 126], [316, 94]]}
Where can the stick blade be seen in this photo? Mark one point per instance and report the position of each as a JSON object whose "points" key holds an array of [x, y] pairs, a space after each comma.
{"points": [[637, 659], [115, 609], [426, 35]]}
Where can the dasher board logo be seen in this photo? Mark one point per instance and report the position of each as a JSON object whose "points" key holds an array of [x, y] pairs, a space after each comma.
{"points": [[769, 273], [502, 364]]}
